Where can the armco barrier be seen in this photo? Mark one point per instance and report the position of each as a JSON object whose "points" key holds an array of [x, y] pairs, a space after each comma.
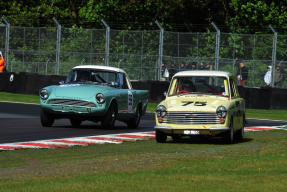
{"points": [[256, 98]]}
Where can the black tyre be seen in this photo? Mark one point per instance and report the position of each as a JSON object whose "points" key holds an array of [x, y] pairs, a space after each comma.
{"points": [[229, 135], [75, 122], [109, 120], [47, 119], [160, 137], [134, 122], [240, 133]]}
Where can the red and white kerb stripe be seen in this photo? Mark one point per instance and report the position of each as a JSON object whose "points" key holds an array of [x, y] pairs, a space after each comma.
{"points": [[101, 139], [83, 141]]}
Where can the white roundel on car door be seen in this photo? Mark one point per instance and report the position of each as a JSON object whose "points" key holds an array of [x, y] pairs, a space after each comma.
{"points": [[130, 101]]}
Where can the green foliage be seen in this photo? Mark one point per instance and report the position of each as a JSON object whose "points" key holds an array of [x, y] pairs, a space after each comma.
{"points": [[33, 49], [257, 13]]}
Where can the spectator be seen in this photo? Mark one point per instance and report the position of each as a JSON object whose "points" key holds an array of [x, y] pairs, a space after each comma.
{"points": [[182, 67], [242, 74], [193, 66], [267, 76], [201, 66], [163, 67], [164, 72], [207, 66], [2, 63], [172, 70], [278, 76]]}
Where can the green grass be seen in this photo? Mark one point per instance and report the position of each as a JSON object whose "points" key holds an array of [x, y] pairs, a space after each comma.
{"points": [[267, 114], [4, 96], [257, 164], [250, 113]]}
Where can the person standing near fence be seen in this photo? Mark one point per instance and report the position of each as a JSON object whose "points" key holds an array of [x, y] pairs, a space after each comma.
{"points": [[208, 67], [267, 76], [2, 63], [182, 67], [278, 78], [242, 74], [172, 70]]}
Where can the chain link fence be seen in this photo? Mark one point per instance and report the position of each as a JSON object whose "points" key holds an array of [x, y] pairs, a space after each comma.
{"points": [[142, 54]]}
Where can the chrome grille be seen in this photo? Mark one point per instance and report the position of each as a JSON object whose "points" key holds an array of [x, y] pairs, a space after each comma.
{"points": [[191, 118], [71, 102]]}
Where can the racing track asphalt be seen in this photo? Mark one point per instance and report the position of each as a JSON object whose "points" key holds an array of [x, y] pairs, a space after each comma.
{"points": [[20, 122]]}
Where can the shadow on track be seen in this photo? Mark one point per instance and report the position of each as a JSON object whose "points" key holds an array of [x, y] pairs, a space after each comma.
{"points": [[205, 140]]}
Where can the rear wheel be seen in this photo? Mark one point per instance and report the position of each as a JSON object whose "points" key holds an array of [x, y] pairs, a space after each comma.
{"points": [[229, 135], [75, 122], [47, 119], [109, 120], [134, 122], [160, 137]]}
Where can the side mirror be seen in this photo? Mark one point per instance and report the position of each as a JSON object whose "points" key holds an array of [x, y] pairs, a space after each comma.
{"points": [[61, 82], [164, 93]]}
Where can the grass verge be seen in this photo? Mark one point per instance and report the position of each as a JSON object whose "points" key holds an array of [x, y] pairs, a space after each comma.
{"points": [[13, 97], [256, 164], [250, 113]]}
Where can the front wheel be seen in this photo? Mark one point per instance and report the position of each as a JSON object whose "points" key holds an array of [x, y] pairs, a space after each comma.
{"points": [[229, 135], [160, 137], [109, 119], [134, 122], [240, 133], [47, 119]]}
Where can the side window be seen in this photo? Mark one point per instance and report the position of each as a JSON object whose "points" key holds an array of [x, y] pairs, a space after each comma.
{"points": [[234, 92], [122, 81]]}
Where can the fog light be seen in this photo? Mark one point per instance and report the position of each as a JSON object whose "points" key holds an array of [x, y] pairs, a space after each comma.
{"points": [[222, 120]]}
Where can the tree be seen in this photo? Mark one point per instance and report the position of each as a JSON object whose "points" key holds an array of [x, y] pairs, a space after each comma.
{"points": [[254, 16]]}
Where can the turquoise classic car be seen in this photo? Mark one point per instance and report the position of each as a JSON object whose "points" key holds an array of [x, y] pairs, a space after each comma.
{"points": [[96, 93]]}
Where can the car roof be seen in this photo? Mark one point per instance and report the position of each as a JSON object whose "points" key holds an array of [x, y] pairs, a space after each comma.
{"points": [[101, 67], [203, 73]]}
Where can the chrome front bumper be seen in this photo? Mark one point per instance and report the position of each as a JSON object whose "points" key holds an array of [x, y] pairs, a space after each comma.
{"points": [[209, 129]]}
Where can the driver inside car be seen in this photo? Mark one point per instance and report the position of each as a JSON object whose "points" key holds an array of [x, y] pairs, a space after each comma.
{"points": [[186, 86], [84, 76]]}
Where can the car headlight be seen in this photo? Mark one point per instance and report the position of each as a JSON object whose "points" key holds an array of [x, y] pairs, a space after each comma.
{"points": [[44, 94], [100, 98], [161, 111], [221, 112]]}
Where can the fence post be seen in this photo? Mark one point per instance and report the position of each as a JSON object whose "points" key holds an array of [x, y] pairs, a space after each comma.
{"points": [[7, 40], [160, 49], [217, 45], [107, 50], [58, 45], [274, 49]]}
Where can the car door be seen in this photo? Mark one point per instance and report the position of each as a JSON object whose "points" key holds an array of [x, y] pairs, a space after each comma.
{"points": [[126, 100], [122, 96], [237, 103]]}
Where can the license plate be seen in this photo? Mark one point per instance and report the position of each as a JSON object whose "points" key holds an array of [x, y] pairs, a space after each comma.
{"points": [[191, 132]]}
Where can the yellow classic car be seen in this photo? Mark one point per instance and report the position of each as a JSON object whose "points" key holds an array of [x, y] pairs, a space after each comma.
{"points": [[201, 103]]}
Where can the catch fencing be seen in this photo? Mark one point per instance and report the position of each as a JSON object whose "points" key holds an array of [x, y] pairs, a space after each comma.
{"points": [[144, 55]]}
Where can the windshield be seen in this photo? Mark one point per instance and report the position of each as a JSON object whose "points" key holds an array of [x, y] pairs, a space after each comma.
{"points": [[199, 85], [92, 76]]}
